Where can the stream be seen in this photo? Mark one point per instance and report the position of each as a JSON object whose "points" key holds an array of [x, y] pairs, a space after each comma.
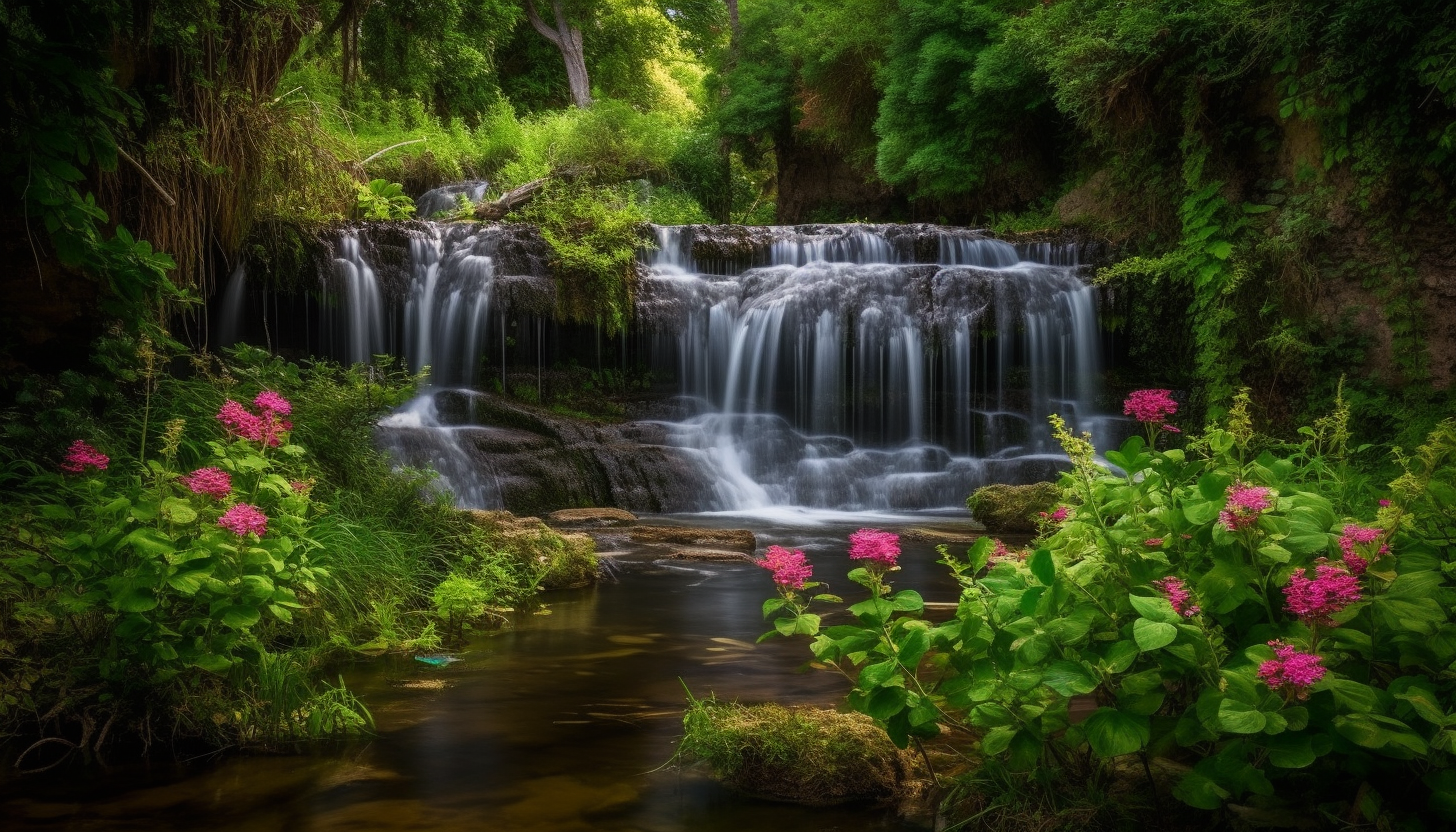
{"points": [[566, 720]]}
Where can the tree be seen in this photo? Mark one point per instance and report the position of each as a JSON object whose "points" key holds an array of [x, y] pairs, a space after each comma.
{"points": [[565, 36]]}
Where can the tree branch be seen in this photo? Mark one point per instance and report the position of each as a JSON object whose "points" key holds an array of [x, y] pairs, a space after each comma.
{"points": [[546, 31]]}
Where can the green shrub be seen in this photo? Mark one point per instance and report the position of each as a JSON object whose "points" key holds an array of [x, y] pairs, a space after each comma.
{"points": [[1215, 610]]}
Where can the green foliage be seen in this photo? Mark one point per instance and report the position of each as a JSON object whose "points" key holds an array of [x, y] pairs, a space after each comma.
{"points": [[384, 200], [595, 234], [1089, 616]]}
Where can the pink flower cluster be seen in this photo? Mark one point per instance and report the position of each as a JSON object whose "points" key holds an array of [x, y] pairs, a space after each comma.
{"points": [[1057, 516], [212, 482], [243, 518], [1153, 542], [1356, 549], [1150, 406], [1315, 600], [265, 427], [882, 548], [81, 456], [1291, 669], [1001, 552], [1245, 502], [790, 569], [1178, 595]]}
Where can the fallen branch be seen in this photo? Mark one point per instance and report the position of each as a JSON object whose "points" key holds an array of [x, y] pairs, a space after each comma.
{"points": [[387, 149], [155, 184], [510, 200], [38, 744]]}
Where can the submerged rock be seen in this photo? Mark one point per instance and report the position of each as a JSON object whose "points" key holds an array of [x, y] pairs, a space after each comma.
{"points": [[731, 539]]}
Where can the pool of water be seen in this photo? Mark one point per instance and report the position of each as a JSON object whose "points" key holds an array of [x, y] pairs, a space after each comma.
{"points": [[566, 721]]}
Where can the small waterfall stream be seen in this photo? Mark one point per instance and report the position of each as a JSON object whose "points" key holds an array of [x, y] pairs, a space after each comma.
{"points": [[849, 367]]}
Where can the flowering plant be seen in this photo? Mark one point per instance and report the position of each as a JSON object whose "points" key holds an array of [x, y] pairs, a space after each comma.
{"points": [[177, 568], [1273, 633]]}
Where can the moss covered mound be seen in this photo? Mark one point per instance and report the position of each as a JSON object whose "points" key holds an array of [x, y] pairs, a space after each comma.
{"points": [[804, 755], [1011, 508], [570, 560]]}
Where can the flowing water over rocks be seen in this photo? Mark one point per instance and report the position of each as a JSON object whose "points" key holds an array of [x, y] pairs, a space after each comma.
{"points": [[843, 367]]}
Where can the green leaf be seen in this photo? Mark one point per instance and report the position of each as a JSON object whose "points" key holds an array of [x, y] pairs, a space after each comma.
{"points": [[911, 647], [1069, 678], [1112, 733], [873, 612], [150, 542], [1120, 656], [1290, 750], [1155, 609], [213, 663], [1043, 566], [773, 605], [907, 600], [997, 740], [1238, 718], [1200, 791], [178, 510], [1151, 635], [135, 599], [1355, 696], [240, 617], [886, 702], [876, 675]]}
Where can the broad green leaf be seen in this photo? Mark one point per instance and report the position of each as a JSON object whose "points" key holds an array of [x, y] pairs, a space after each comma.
{"points": [[1043, 566], [135, 599], [1069, 678], [240, 617], [1151, 635], [773, 605], [1112, 733], [876, 675], [1155, 609], [178, 510], [907, 600], [1200, 791], [151, 542], [1238, 718], [997, 740], [873, 611], [886, 702], [1120, 656]]}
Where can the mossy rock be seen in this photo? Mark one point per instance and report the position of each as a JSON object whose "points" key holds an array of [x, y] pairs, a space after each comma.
{"points": [[570, 559], [811, 756], [1012, 508]]}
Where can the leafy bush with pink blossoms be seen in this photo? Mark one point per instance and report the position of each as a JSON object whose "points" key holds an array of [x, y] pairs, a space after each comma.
{"points": [[1204, 612]]}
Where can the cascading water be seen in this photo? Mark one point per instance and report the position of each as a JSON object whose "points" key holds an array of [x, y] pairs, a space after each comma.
{"points": [[843, 375], [835, 367]]}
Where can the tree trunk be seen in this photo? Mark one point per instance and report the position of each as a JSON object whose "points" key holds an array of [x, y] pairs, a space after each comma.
{"points": [[566, 38], [733, 17]]}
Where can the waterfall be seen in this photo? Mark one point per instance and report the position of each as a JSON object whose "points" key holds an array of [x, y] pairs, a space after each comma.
{"points": [[842, 374], [846, 367]]}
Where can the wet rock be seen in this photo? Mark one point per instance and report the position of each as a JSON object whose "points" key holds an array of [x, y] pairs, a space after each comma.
{"points": [[570, 559], [591, 518], [965, 536], [1012, 508], [711, 556], [732, 539]]}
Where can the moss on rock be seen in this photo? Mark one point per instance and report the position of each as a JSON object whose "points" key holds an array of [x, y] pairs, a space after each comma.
{"points": [[806, 755], [1011, 508], [569, 560]]}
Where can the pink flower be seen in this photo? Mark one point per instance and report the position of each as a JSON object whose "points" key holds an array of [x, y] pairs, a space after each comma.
{"points": [[1315, 600], [266, 428], [1000, 553], [790, 569], [1291, 670], [1245, 502], [1383, 503], [882, 548], [1170, 429], [213, 482], [1356, 549], [1153, 542], [242, 519], [1057, 516], [81, 456], [270, 402], [1150, 406], [300, 486], [239, 421], [1177, 595]]}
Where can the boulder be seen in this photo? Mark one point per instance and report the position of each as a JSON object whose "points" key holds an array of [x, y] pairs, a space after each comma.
{"points": [[1012, 508], [730, 539], [596, 518]]}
